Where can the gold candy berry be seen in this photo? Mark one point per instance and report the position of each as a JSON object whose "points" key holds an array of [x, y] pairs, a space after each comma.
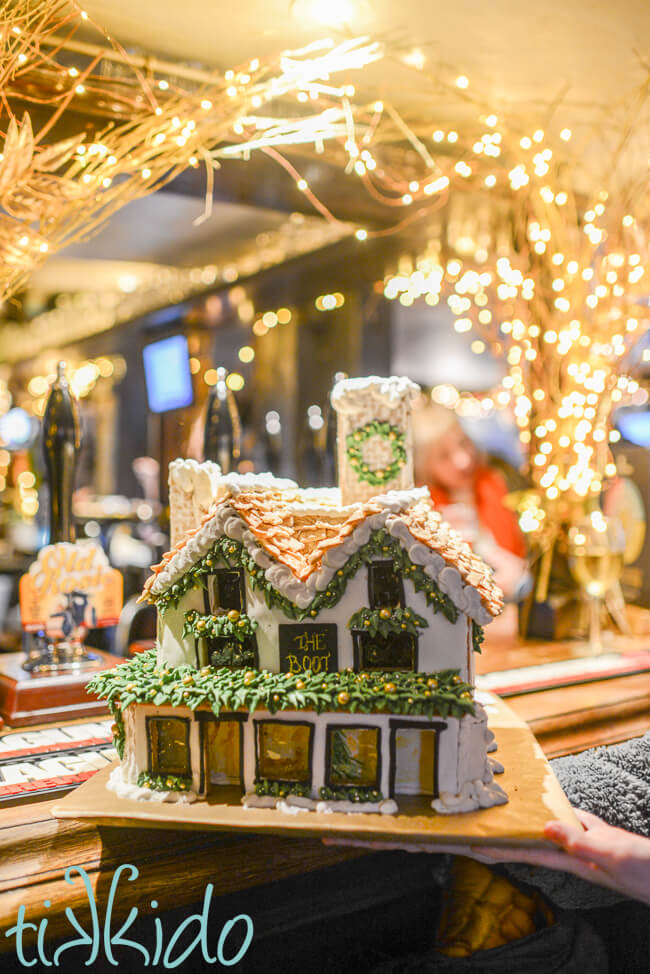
{"points": [[385, 613], [233, 615], [343, 698]]}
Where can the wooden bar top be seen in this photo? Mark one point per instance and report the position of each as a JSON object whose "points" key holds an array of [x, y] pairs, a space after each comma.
{"points": [[175, 866], [572, 718]]}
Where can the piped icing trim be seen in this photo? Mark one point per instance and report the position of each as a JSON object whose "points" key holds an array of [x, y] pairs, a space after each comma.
{"points": [[294, 805], [348, 395], [202, 478], [473, 795], [124, 789], [406, 515], [239, 483]]}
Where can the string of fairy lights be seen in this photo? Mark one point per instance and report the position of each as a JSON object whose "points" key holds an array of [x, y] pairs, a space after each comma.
{"points": [[538, 257], [55, 192], [556, 289]]}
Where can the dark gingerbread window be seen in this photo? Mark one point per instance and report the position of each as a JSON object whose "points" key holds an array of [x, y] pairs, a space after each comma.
{"points": [[397, 651], [385, 585], [225, 590], [228, 651]]}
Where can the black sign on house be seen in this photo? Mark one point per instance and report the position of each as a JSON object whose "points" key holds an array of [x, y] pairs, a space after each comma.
{"points": [[308, 646]]}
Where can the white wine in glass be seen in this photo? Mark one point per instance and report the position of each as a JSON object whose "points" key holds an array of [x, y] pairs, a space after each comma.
{"points": [[596, 569], [596, 548]]}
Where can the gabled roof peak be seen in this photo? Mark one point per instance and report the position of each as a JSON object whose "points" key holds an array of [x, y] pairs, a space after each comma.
{"points": [[301, 537]]}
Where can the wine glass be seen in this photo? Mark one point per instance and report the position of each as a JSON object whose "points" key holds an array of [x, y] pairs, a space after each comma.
{"points": [[596, 548]]}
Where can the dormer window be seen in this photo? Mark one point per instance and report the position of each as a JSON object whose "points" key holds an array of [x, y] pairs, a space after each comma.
{"points": [[398, 651], [385, 586], [225, 590]]}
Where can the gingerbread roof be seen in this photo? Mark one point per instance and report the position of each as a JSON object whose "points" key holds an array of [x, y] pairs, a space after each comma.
{"points": [[301, 537]]}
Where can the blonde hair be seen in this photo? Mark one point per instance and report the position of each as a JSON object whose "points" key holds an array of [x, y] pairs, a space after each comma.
{"points": [[430, 423]]}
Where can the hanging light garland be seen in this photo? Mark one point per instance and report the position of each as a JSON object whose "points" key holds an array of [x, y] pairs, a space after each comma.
{"points": [[56, 192], [539, 257]]}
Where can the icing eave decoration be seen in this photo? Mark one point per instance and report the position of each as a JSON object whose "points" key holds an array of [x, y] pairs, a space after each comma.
{"points": [[273, 529]]}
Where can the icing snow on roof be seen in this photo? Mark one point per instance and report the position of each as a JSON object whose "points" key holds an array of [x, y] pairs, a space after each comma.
{"points": [[349, 394], [301, 537]]}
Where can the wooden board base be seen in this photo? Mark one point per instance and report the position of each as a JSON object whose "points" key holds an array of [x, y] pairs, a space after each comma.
{"points": [[27, 699], [534, 794]]}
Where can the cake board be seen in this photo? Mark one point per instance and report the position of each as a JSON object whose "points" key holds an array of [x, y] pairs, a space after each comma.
{"points": [[535, 797]]}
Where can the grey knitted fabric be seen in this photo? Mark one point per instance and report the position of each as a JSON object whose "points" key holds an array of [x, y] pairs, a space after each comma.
{"points": [[613, 783]]}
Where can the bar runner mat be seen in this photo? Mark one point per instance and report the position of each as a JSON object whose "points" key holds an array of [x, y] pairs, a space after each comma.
{"points": [[49, 762], [564, 673]]}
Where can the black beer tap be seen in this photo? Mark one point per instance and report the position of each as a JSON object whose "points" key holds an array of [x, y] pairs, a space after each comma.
{"points": [[61, 442], [221, 438]]}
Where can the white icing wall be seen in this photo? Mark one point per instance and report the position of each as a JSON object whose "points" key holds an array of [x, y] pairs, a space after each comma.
{"points": [[138, 743], [174, 648], [461, 748], [442, 645]]}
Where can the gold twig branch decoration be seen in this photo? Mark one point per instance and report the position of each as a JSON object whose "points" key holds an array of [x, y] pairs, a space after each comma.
{"points": [[55, 192]]}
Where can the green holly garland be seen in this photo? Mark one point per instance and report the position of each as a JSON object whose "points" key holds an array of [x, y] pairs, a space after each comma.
{"points": [[387, 621], [141, 680], [280, 789], [162, 782], [355, 440], [478, 635], [232, 624], [351, 794], [233, 554]]}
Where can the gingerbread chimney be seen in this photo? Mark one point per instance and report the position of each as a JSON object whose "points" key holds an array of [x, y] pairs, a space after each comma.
{"points": [[374, 437], [193, 489]]}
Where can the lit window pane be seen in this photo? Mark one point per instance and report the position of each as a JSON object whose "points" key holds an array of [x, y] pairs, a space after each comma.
{"points": [[353, 756], [284, 751], [169, 745]]}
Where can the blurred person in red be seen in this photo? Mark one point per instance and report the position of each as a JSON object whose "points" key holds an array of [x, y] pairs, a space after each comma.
{"points": [[470, 495]]}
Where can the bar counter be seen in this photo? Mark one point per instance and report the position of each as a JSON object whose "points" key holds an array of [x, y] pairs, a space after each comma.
{"points": [[175, 866]]}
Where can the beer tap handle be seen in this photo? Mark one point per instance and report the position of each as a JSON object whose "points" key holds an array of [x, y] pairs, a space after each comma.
{"points": [[61, 443]]}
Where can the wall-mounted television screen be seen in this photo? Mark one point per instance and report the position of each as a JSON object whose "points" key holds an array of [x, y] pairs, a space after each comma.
{"points": [[634, 424], [167, 374]]}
